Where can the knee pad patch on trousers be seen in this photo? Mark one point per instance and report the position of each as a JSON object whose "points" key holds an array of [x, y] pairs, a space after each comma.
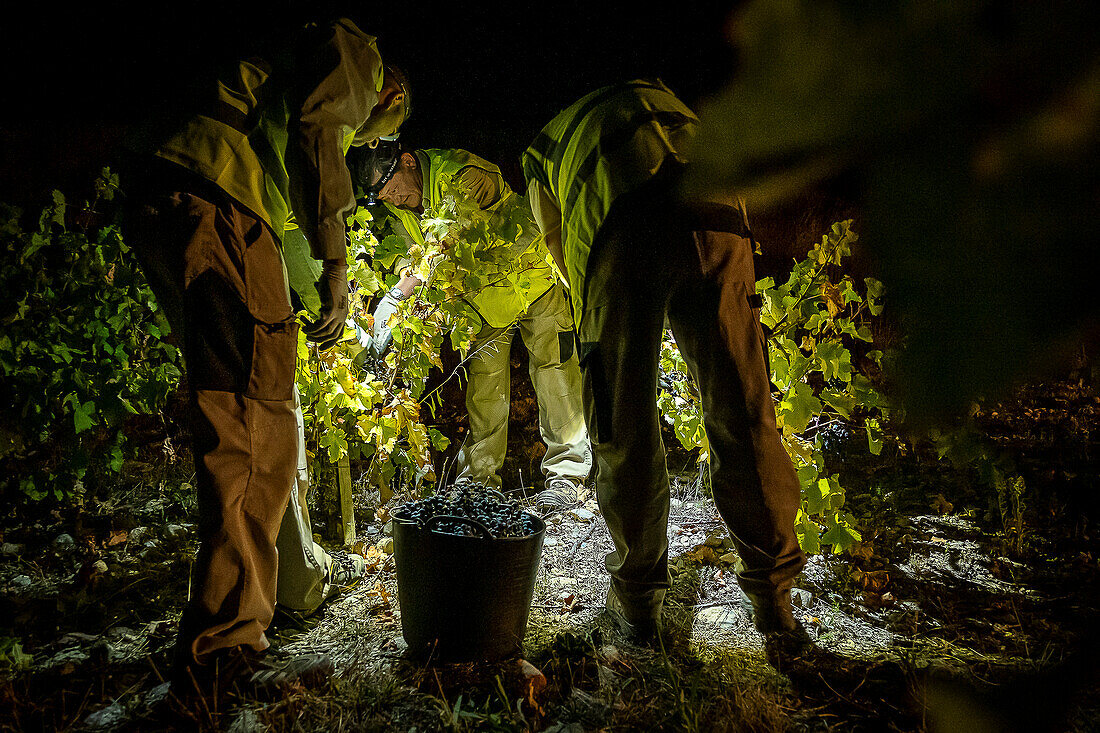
{"points": [[566, 340]]}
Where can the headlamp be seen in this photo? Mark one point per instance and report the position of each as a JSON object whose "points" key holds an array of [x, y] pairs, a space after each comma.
{"points": [[376, 188]]}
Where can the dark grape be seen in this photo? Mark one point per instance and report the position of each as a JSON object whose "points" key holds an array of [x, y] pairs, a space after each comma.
{"points": [[503, 518]]}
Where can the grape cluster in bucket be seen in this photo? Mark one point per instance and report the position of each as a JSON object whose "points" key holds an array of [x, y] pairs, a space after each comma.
{"points": [[500, 517]]}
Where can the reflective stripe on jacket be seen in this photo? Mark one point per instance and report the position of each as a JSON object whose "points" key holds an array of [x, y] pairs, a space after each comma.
{"points": [[498, 304], [604, 145], [241, 141]]}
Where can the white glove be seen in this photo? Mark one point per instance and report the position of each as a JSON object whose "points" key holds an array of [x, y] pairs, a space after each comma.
{"points": [[381, 334]]}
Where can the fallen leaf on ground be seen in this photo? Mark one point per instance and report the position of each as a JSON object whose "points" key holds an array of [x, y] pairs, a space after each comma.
{"points": [[380, 591], [116, 537], [874, 580], [703, 554], [534, 682]]}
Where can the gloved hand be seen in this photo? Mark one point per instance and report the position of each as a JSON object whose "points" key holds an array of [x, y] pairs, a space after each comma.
{"points": [[381, 334], [333, 289]]}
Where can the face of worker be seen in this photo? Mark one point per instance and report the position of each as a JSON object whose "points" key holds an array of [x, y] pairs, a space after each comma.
{"points": [[405, 189]]}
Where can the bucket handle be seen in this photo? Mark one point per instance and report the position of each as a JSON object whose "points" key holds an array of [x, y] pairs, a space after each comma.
{"points": [[479, 526]]}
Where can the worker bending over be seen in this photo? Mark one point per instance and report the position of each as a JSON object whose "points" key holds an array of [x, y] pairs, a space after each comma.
{"points": [[602, 178], [408, 182], [210, 194]]}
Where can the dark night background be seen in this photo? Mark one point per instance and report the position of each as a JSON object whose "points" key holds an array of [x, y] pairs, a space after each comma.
{"points": [[485, 76], [992, 605]]}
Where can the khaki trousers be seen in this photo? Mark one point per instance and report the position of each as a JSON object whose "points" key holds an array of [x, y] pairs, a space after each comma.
{"points": [[303, 564], [217, 271], [547, 332], [652, 260]]}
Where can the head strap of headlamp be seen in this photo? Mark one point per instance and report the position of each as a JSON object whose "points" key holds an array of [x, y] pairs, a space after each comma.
{"points": [[376, 187]]}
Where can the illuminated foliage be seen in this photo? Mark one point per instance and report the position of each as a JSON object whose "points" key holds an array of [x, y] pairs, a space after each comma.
{"points": [[374, 410], [813, 324], [82, 346]]}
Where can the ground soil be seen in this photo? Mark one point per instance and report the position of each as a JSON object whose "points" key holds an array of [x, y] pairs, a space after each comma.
{"points": [[946, 617]]}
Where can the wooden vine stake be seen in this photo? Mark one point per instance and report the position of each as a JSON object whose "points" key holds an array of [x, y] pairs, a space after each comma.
{"points": [[346, 529], [347, 505]]}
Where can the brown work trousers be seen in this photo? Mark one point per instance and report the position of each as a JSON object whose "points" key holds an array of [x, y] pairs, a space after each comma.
{"points": [[218, 274], [654, 259]]}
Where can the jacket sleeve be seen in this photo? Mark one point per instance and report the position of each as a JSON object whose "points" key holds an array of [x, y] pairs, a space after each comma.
{"points": [[335, 95], [547, 214]]}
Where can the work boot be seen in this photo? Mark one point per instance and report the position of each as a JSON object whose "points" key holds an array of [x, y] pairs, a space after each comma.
{"points": [[194, 696], [785, 640], [198, 695], [769, 613], [560, 493], [790, 648], [635, 627], [221, 672], [345, 570]]}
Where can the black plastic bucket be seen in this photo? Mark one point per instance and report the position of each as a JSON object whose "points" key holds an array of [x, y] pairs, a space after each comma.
{"points": [[464, 599]]}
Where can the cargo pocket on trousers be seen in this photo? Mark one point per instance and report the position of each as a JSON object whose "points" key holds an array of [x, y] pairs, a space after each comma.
{"points": [[274, 354], [273, 444], [271, 419], [594, 384], [275, 328]]}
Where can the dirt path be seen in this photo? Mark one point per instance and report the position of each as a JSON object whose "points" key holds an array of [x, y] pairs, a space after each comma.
{"points": [[937, 618], [926, 617]]}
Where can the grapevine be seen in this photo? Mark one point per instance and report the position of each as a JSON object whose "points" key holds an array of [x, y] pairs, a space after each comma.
{"points": [[374, 410], [83, 346], [813, 323]]}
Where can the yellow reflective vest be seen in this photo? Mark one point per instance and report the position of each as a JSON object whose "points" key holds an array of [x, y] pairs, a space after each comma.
{"points": [[498, 304], [607, 143], [240, 141]]}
